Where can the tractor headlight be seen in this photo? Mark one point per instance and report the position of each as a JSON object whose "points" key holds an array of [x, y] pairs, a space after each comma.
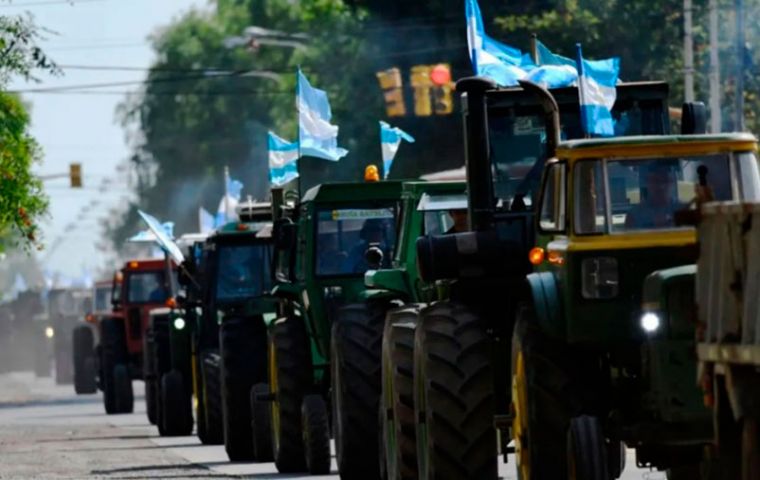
{"points": [[179, 323], [49, 332], [599, 278], [650, 322]]}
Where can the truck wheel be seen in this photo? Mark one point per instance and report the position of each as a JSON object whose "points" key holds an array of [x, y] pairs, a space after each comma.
{"points": [[541, 401], [242, 346], [113, 351], [586, 449], [290, 377], [177, 416], [83, 349], [356, 344], [261, 424], [616, 458], [453, 395], [397, 401], [316, 434], [212, 399]]}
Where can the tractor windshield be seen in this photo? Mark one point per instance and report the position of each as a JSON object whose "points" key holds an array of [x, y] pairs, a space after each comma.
{"points": [[103, 298], [243, 272], [623, 195], [147, 287], [345, 235]]}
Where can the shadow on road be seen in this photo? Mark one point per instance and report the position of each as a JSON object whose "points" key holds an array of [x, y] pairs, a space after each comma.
{"points": [[87, 439]]}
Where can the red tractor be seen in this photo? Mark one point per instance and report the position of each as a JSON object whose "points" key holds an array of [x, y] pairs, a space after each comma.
{"points": [[140, 286]]}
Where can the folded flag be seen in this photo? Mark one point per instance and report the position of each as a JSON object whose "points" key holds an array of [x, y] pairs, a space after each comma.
{"points": [[390, 141], [597, 93], [317, 136], [163, 238], [283, 160]]}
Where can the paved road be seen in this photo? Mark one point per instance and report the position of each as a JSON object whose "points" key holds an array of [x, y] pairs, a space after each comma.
{"points": [[48, 432]]}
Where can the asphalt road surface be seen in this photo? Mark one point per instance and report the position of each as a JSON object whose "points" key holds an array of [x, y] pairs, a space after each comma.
{"points": [[48, 432]]}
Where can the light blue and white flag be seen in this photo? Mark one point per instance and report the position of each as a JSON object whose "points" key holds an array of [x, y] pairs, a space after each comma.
{"points": [[283, 160], [317, 136], [206, 221], [163, 238], [234, 188], [501, 63], [147, 236], [227, 211], [390, 141], [597, 93]]}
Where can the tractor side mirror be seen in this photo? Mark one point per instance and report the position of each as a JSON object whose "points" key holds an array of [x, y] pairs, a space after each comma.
{"points": [[693, 118]]}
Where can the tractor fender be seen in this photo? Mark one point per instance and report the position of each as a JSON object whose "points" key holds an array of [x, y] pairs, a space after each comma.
{"points": [[547, 303]]}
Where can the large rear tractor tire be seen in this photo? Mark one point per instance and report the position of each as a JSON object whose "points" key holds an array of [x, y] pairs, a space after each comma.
{"points": [[543, 401], [290, 379], [453, 397], [586, 449], [117, 385], [355, 363], [397, 402], [243, 348], [177, 410], [212, 399], [316, 434], [261, 424], [83, 350]]}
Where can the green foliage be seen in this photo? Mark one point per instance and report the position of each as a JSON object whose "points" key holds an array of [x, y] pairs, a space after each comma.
{"points": [[22, 200]]}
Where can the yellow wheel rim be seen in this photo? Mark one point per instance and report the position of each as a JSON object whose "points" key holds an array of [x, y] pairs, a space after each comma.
{"points": [[520, 422], [273, 388]]}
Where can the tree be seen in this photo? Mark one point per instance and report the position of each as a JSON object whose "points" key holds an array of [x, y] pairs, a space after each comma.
{"points": [[22, 201]]}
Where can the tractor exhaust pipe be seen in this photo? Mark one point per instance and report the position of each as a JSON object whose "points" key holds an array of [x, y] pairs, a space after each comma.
{"points": [[551, 114]]}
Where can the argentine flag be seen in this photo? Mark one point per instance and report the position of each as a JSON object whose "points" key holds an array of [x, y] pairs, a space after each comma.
{"points": [[283, 160], [596, 89], [163, 238], [227, 211], [390, 140], [317, 136], [206, 222], [501, 63]]}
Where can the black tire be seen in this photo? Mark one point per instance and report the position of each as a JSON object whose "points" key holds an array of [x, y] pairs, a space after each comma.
{"points": [[355, 364], [543, 399], [152, 397], [290, 378], [316, 434], [750, 449], [83, 350], [398, 434], [64, 368], [616, 458], [728, 432], [453, 396], [177, 410], [212, 400], [125, 401], [243, 348], [586, 449], [113, 351], [261, 424]]}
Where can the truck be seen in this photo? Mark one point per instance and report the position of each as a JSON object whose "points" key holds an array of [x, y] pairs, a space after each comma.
{"points": [[139, 286], [718, 297], [510, 132], [324, 347]]}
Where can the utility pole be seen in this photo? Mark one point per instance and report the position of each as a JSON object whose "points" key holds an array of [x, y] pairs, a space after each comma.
{"points": [[715, 114], [740, 45], [688, 52]]}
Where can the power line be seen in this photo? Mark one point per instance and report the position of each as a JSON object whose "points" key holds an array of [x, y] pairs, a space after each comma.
{"points": [[50, 2]]}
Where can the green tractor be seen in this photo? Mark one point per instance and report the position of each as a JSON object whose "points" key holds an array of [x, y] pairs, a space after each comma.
{"points": [[427, 208], [463, 346], [326, 342]]}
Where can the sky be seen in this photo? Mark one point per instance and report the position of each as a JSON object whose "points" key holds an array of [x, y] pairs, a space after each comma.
{"points": [[78, 128]]}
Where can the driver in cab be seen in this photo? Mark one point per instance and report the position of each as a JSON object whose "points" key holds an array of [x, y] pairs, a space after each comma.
{"points": [[372, 234]]}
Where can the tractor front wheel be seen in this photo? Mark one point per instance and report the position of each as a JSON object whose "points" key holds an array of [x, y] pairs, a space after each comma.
{"points": [[176, 406], [316, 434], [212, 399], [586, 449], [83, 350], [261, 424]]}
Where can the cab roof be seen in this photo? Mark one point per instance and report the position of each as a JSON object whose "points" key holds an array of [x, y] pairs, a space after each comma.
{"points": [[417, 188], [656, 144], [352, 192]]}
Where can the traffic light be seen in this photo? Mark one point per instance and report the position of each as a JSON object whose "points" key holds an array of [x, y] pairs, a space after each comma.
{"points": [[422, 83], [75, 175], [391, 84]]}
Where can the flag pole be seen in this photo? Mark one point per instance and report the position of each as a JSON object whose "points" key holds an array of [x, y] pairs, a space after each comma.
{"points": [[226, 193], [581, 93], [298, 136]]}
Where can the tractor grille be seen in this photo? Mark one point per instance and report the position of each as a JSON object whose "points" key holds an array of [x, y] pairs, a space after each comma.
{"points": [[135, 323]]}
